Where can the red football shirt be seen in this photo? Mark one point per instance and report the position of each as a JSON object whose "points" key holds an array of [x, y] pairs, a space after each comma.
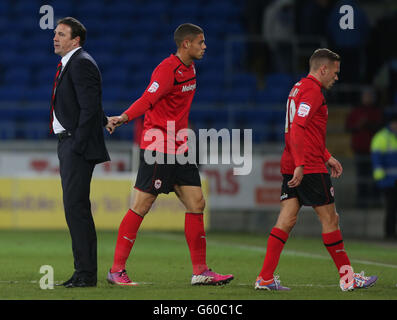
{"points": [[307, 110], [166, 101]]}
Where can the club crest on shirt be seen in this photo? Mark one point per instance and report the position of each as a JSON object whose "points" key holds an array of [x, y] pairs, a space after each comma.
{"points": [[303, 110], [157, 183], [154, 86]]}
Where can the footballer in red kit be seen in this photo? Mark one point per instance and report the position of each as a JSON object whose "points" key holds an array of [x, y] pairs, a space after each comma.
{"points": [[306, 107], [171, 91], [306, 181], [166, 104]]}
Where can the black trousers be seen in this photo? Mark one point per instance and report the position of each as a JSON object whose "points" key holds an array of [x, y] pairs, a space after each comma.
{"points": [[76, 174], [391, 211]]}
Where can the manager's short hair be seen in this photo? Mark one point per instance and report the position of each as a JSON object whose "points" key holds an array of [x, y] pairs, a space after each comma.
{"points": [[320, 56], [186, 31], [78, 29]]}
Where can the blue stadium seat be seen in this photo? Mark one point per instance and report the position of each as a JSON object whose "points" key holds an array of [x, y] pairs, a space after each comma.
{"points": [[278, 131], [125, 132], [116, 75], [41, 92], [36, 113], [10, 40], [188, 10], [210, 78], [11, 58], [35, 130], [244, 80], [12, 92], [165, 46], [280, 80], [27, 23], [35, 58], [25, 8], [111, 93], [207, 95], [8, 114], [218, 9], [42, 41], [122, 9], [214, 46], [239, 95], [62, 8], [278, 116], [274, 95], [8, 130], [253, 116], [4, 6], [17, 75], [260, 133], [215, 27], [104, 60], [90, 9], [44, 75]]}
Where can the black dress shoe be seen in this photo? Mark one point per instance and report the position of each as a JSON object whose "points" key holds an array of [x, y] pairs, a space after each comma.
{"points": [[80, 283], [68, 282]]}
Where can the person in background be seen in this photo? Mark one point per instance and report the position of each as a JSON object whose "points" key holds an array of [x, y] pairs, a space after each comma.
{"points": [[384, 160], [363, 121]]}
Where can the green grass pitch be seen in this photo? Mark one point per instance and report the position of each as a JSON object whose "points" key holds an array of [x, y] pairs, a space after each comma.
{"points": [[160, 263]]}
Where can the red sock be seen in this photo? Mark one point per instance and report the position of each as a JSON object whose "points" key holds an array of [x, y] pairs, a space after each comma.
{"points": [[334, 243], [195, 237], [125, 240], [275, 245]]}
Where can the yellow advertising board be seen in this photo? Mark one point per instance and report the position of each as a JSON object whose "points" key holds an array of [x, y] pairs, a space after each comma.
{"points": [[36, 203]]}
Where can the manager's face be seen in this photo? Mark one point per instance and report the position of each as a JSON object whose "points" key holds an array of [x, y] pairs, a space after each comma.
{"points": [[63, 42]]}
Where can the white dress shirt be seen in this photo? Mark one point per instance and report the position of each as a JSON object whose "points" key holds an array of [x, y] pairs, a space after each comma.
{"points": [[56, 125]]}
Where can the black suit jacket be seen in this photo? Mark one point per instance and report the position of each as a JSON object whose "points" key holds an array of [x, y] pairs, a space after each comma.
{"points": [[78, 106]]}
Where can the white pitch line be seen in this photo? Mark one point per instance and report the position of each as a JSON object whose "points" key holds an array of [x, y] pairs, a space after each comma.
{"points": [[286, 252], [55, 282], [296, 285]]}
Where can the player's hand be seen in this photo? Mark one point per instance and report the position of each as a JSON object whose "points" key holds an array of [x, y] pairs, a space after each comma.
{"points": [[117, 121], [110, 127], [297, 178], [335, 166]]}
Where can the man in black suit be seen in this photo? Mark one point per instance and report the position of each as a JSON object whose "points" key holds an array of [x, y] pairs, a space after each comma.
{"points": [[77, 118]]}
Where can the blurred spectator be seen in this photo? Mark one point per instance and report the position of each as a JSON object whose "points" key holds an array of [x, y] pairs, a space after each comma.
{"points": [[311, 16], [363, 122], [384, 159], [278, 30], [381, 49], [350, 44], [258, 52]]}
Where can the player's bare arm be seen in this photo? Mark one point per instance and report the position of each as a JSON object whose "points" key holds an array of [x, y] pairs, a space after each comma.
{"points": [[335, 166], [297, 177]]}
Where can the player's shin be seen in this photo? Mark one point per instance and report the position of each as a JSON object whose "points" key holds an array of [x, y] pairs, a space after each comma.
{"points": [[275, 245], [333, 241], [195, 238], [125, 240]]}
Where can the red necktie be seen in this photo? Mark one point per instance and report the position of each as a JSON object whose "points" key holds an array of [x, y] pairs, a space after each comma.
{"points": [[59, 68]]}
